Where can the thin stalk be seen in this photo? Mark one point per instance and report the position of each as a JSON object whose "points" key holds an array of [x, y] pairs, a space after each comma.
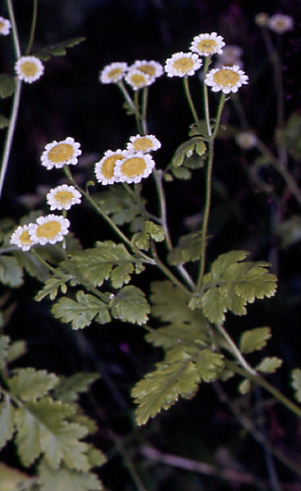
{"points": [[257, 379], [137, 112], [166, 271], [144, 110], [235, 351], [130, 465], [33, 26], [206, 99], [16, 100], [42, 261], [190, 100], [129, 100]]}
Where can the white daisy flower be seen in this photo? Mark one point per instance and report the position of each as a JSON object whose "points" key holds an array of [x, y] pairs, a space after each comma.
{"points": [[144, 144], [151, 68], [49, 229], [280, 23], [113, 73], [5, 26], [138, 79], [22, 237], [29, 68], [104, 169], [58, 154], [182, 64], [134, 168], [226, 79], [246, 140], [63, 197], [207, 44], [261, 19]]}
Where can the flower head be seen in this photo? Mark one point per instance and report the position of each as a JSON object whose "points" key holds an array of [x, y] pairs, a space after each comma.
{"points": [[113, 73], [231, 55], [261, 19], [5, 26], [63, 197], [138, 79], [144, 144], [58, 154], [151, 68], [22, 237], [29, 68], [226, 79], [182, 64], [104, 169], [207, 44], [246, 140], [280, 23], [49, 229], [134, 168]]}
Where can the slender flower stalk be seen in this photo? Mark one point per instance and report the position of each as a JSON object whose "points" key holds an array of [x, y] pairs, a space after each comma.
{"points": [[144, 111], [206, 98], [33, 27], [190, 100]]}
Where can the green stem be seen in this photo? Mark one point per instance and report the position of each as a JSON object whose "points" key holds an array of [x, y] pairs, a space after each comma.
{"points": [[144, 110], [235, 351], [137, 111], [16, 101], [190, 100], [166, 271], [130, 465], [42, 261], [206, 99], [33, 26]]}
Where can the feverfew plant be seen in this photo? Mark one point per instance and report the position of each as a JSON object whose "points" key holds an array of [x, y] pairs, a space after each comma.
{"points": [[186, 311]]}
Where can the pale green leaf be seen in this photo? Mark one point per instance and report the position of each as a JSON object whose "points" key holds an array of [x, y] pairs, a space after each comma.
{"points": [[96, 457], [174, 335], [141, 240], [52, 286], [4, 122], [188, 249], [186, 150], [58, 49], [269, 364], [10, 272], [29, 384], [245, 386], [16, 350], [12, 479], [254, 339], [6, 421], [296, 383], [130, 305], [209, 365], [7, 85], [64, 479], [69, 388], [181, 173], [4, 343], [32, 265], [82, 311]]}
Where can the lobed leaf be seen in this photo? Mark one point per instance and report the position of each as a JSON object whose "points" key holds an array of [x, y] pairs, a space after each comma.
{"points": [[58, 49], [6, 421], [11, 273], [130, 305], [119, 204], [186, 150], [269, 364], [141, 240], [69, 388], [29, 384], [4, 346], [64, 479], [53, 285], [188, 249], [254, 339]]}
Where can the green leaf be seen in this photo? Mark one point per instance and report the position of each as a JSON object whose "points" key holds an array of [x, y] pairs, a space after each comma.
{"points": [[29, 384], [254, 339], [209, 364], [232, 284], [7, 85], [58, 49], [69, 388], [6, 421], [141, 240], [130, 305], [53, 285], [245, 386], [188, 249], [4, 122], [12, 479], [82, 311], [186, 150], [43, 428], [10, 272], [96, 265], [182, 173], [269, 364], [4, 343], [16, 350], [119, 204], [64, 479], [296, 383]]}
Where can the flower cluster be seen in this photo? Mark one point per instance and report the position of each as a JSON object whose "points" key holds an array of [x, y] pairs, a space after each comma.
{"points": [[278, 23], [138, 75], [46, 230]]}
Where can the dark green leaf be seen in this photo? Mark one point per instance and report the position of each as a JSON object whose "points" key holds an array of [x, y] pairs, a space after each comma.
{"points": [[7, 85], [130, 305], [58, 49]]}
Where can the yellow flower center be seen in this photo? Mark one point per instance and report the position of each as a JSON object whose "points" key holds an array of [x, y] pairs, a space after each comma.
{"points": [[29, 68], [109, 164], [226, 77], [1, 25], [61, 152], [148, 69], [184, 64], [49, 229], [64, 197], [143, 144], [207, 45], [133, 166], [25, 238], [138, 80], [115, 73], [280, 24]]}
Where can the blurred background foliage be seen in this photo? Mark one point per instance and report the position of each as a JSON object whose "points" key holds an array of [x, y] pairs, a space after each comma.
{"points": [[69, 100]]}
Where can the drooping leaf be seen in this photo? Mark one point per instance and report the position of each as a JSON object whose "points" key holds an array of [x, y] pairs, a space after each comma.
{"points": [[245, 386], [254, 339], [12, 479], [82, 311], [232, 284], [141, 240], [10, 272], [130, 305], [188, 249], [186, 150], [7, 85], [269, 364], [29, 384], [58, 49], [69, 388], [296, 383], [4, 122], [64, 479], [4, 343], [6, 421]]}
